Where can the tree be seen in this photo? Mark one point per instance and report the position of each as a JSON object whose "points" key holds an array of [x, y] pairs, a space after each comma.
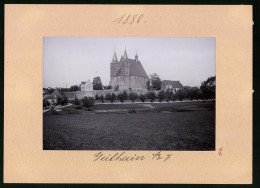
{"points": [[125, 95], [151, 96], [74, 88], [65, 89], [108, 87], [193, 93], [156, 83], [161, 96], [46, 103], [121, 97], [208, 88], [101, 98], [88, 102], [174, 96], [76, 101], [108, 96], [180, 94], [148, 85], [113, 97], [168, 95], [133, 96], [142, 97], [97, 84], [64, 101]]}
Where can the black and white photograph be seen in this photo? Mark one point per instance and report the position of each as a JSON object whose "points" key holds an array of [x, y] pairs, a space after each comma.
{"points": [[129, 93]]}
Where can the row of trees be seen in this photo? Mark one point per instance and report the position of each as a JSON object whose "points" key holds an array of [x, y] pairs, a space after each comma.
{"points": [[206, 91]]}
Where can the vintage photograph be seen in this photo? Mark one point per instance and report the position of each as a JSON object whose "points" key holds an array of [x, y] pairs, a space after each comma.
{"points": [[129, 93]]}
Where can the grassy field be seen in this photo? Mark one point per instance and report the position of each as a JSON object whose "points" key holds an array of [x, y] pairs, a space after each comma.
{"points": [[173, 126]]}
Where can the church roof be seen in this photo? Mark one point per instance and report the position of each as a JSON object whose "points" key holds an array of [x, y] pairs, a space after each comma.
{"points": [[175, 84], [135, 68]]}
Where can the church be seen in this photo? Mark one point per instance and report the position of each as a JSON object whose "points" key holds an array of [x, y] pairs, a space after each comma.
{"points": [[127, 74]]}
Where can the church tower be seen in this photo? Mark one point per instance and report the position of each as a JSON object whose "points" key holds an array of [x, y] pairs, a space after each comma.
{"points": [[114, 66], [124, 65]]}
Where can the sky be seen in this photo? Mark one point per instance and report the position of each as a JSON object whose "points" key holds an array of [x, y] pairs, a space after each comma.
{"points": [[69, 60]]}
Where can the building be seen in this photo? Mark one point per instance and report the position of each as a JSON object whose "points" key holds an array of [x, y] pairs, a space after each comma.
{"points": [[127, 74], [86, 86], [52, 98], [171, 85]]}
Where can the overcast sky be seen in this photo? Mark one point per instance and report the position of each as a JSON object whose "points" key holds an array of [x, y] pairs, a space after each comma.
{"points": [[70, 60]]}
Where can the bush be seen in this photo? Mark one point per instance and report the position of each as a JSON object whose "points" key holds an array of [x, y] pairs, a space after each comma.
{"points": [[108, 96], [61, 101], [161, 96], [133, 96], [125, 96], [101, 98], [76, 101], [88, 102], [121, 97], [64, 101], [113, 97], [46, 103], [151, 96], [142, 98], [173, 97]]}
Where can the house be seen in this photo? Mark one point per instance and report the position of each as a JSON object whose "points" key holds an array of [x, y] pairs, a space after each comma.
{"points": [[86, 86], [52, 98], [171, 85]]}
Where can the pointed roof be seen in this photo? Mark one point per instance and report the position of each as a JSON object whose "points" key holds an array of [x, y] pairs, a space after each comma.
{"points": [[135, 68], [114, 60], [125, 55], [58, 93]]}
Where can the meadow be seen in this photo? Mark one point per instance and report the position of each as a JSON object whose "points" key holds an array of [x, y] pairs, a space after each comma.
{"points": [[159, 126]]}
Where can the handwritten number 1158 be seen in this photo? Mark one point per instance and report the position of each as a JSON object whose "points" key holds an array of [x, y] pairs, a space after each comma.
{"points": [[129, 19]]}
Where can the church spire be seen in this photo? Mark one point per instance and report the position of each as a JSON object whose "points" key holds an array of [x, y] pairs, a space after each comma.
{"points": [[125, 54], [136, 56], [114, 58]]}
